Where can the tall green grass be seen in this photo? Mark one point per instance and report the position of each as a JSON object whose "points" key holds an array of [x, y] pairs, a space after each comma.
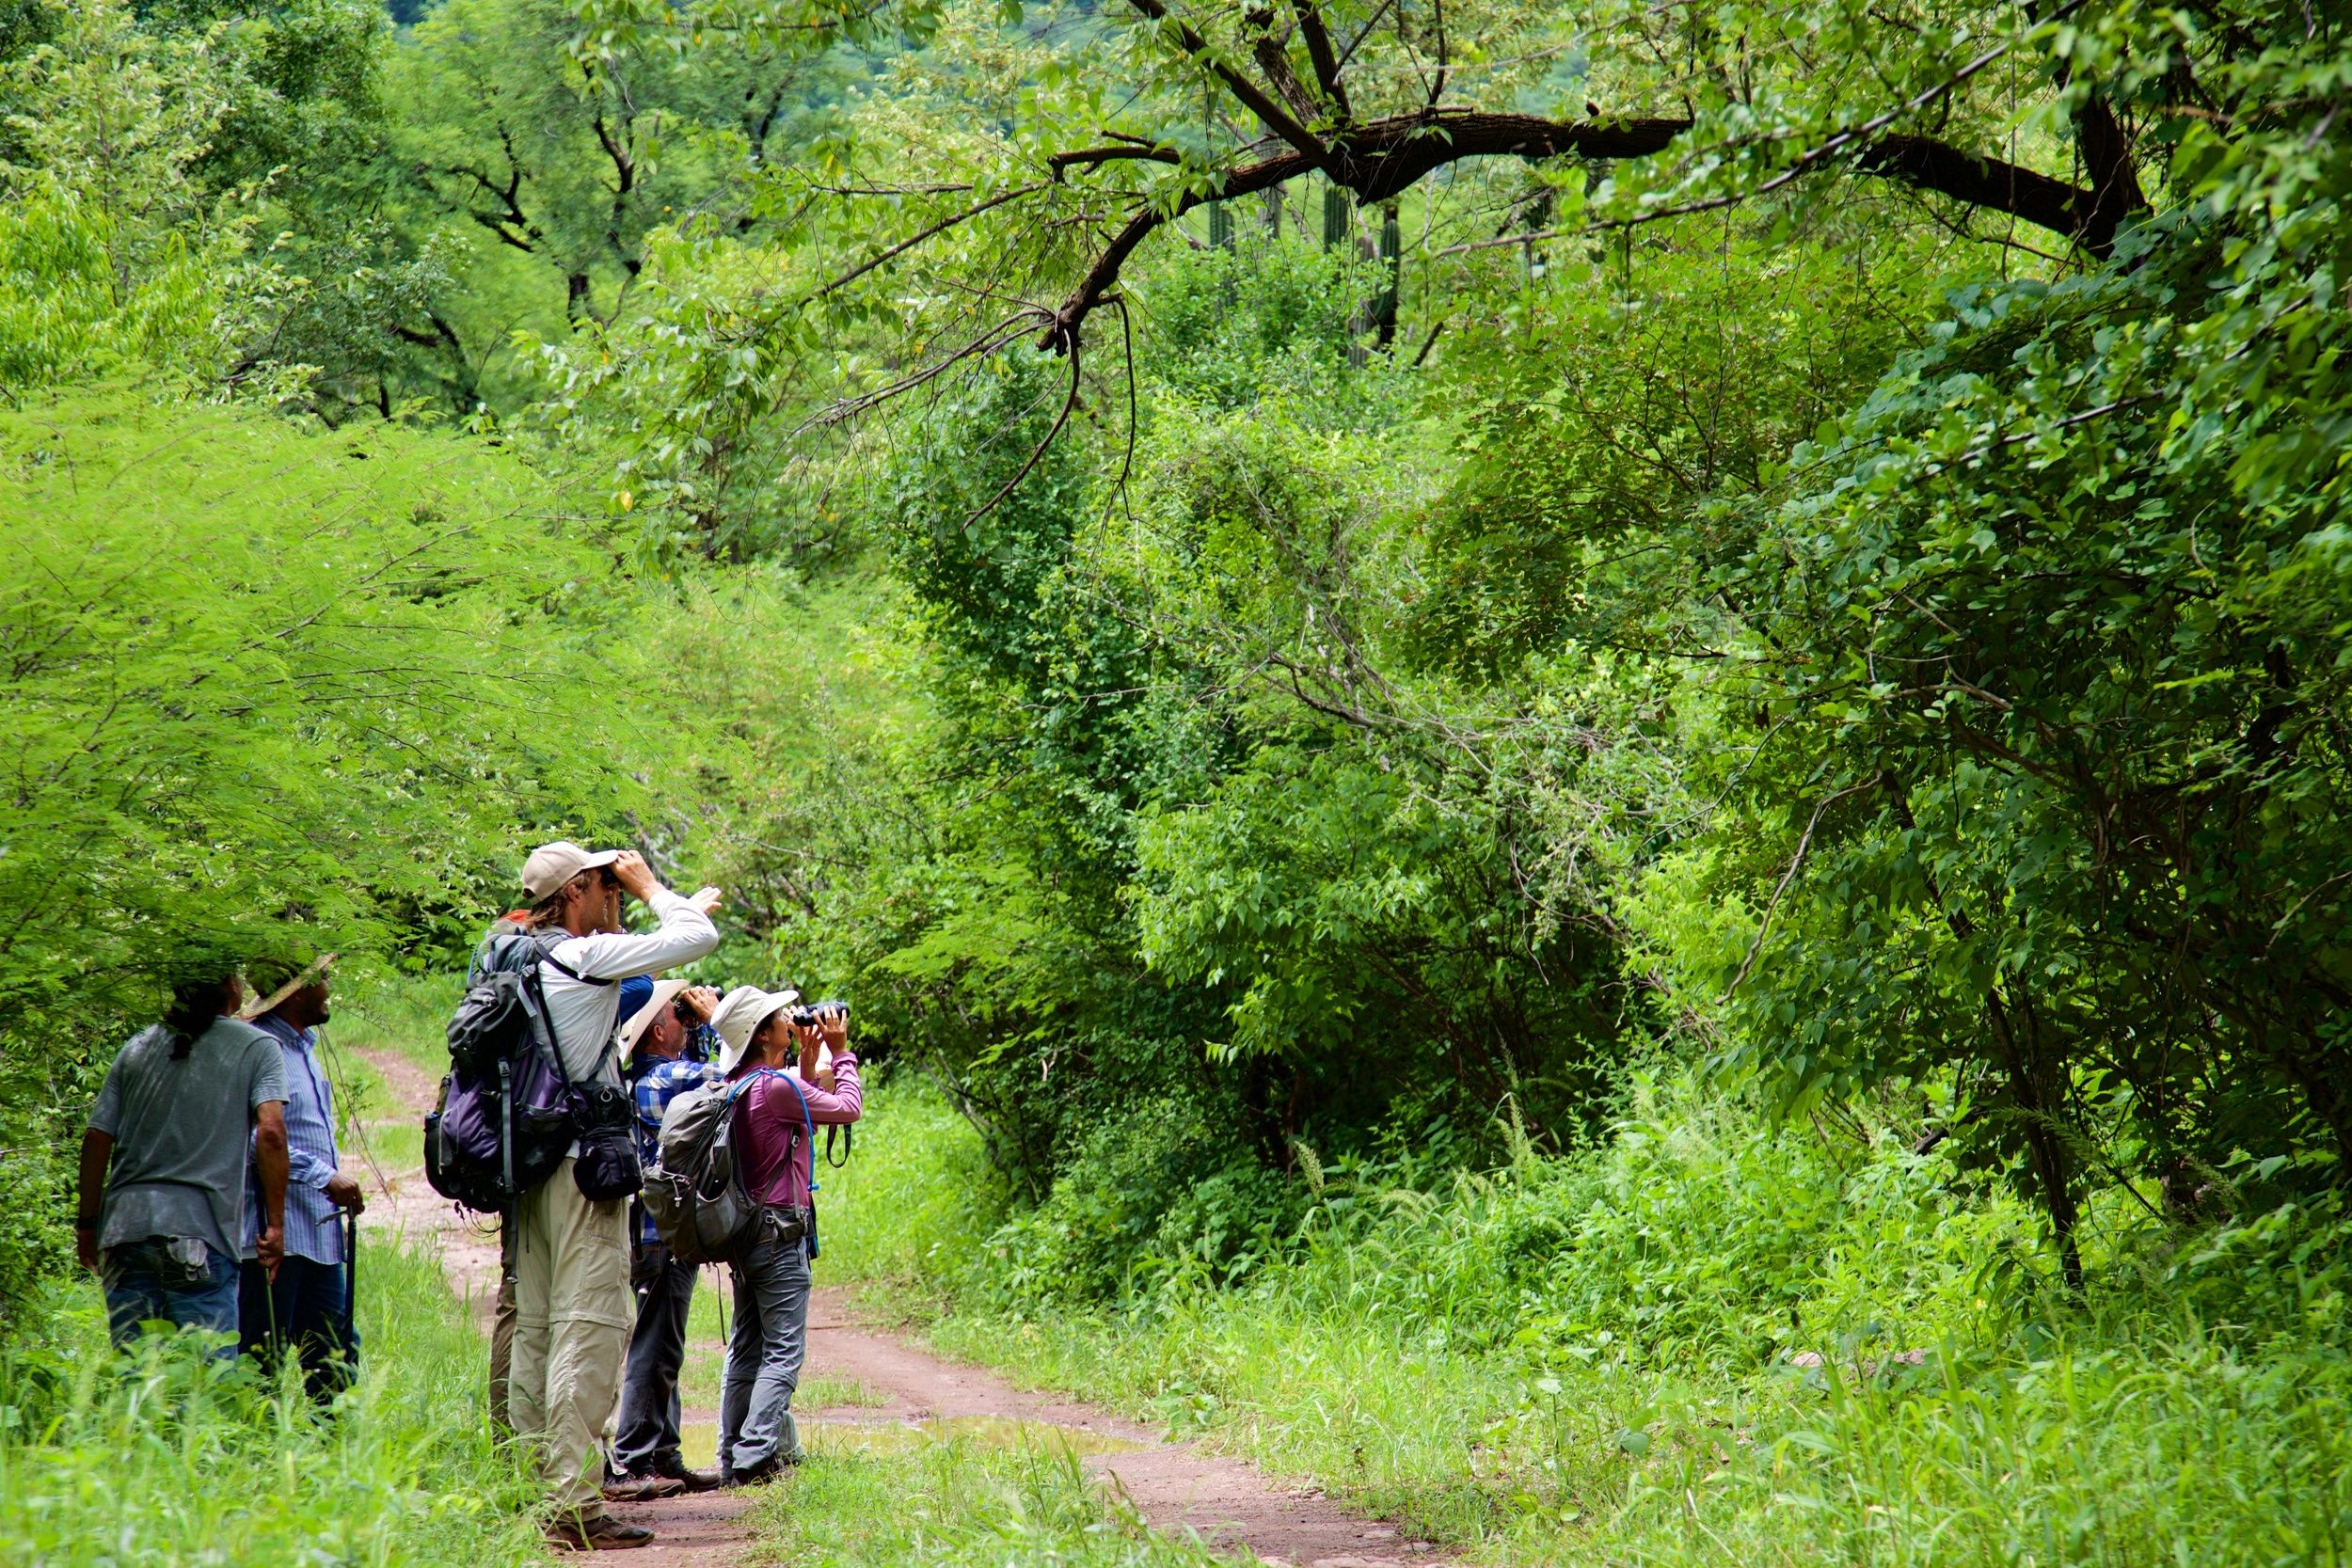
{"points": [[1709, 1340], [164, 1457], [912, 1201]]}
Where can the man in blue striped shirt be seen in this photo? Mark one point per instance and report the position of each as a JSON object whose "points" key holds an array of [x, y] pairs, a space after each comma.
{"points": [[308, 1308]]}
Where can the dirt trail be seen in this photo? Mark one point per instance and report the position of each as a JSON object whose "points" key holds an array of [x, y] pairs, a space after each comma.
{"points": [[390, 1166], [705, 1532], [1177, 1487]]}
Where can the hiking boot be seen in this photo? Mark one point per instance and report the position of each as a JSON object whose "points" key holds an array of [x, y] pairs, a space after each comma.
{"points": [[641, 1486], [757, 1475], [677, 1470], [597, 1532]]}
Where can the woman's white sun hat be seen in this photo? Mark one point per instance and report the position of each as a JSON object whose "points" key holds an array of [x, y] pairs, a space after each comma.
{"points": [[738, 1016]]}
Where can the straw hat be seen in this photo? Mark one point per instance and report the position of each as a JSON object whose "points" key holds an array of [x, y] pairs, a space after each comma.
{"points": [[740, 1014], [308, 974], [664, 992]]}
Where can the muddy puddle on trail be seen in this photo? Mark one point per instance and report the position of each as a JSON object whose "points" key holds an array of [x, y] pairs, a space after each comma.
{"points": [[699, 1440]]}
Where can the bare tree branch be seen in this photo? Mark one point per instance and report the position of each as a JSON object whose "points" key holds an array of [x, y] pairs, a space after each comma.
{"points": [[1037, 451], [1274, 61], [1319, 56], [1088, 156], [1383, 157], [904, 245]]}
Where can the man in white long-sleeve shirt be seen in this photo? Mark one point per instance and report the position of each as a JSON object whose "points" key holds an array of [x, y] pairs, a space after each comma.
{"points": [[572, 1303]]}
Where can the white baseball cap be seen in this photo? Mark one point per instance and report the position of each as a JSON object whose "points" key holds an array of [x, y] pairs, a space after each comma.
{"points": [[551, 865]]}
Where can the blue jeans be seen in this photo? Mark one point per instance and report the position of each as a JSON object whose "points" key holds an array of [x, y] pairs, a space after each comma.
{"points": [[764, 1354], [156, 1279], [307, 1308]]}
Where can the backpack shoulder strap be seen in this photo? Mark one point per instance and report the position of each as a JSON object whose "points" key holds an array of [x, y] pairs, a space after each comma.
{"points": [[548, 941], [808, 1125]]}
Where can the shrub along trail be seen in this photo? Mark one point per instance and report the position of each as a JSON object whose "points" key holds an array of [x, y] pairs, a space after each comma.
{"points": [[1174, 1486]]}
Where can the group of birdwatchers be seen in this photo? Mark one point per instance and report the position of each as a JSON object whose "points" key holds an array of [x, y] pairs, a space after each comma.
{"points": [[213, 1194]]}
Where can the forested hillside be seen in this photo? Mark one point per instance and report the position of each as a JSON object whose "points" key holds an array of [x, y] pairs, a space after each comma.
{"points": [[1589, 768]]}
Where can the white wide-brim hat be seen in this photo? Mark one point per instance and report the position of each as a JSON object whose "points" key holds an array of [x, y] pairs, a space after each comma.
{"points": [[664, 992], [740, 1014]]}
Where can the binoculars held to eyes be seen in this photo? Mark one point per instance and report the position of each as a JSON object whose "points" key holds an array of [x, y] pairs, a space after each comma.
{"points": [[814, 1013]]}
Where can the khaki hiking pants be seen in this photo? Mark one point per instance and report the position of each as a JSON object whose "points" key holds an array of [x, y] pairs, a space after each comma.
{"points": [[502, 1329], [572, 1314]]}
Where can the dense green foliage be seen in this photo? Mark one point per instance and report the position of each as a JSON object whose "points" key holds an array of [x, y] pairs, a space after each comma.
{"points": [[1708, 1335], [266, 691]]}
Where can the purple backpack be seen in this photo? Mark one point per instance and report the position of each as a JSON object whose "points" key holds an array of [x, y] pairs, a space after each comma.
{"points": [[507, 1111]]}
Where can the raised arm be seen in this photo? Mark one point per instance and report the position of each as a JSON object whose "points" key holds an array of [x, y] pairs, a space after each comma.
{"points": [[685, 932], [845, 1101]]}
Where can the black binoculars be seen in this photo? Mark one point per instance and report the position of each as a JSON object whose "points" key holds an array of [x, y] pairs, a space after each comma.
{"points": [[810, 1016]]}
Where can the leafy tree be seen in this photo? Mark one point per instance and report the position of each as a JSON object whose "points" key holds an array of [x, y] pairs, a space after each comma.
{"points": [[557, 143], [2057, 704], [265, 690], [151, 151], [113, 248]]}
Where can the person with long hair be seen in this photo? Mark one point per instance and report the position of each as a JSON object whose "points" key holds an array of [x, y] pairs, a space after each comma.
{"points": [[162, 1181]]}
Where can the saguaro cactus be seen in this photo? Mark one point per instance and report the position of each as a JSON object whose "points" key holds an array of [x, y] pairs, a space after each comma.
{"points": [[1336, 214]]}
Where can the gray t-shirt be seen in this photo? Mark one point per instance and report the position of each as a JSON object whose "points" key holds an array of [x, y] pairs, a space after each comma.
{"points": [[180, 1131]]}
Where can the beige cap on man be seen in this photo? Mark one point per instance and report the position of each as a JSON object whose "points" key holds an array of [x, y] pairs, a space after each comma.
{"points": [[551, 865]]}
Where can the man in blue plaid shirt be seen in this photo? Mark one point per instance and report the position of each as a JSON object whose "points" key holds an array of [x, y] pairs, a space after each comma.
{"points": [[667, 1041]]}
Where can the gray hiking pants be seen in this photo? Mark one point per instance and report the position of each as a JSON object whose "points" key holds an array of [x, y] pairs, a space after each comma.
{"points": [[765, 1351]]}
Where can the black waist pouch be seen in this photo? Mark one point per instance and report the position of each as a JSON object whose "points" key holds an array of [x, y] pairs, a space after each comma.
{"points": [[787, 1226], [607, 1167]]}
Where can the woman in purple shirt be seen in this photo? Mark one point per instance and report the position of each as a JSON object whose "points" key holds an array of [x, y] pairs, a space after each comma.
{"points": [[776, 1114]]}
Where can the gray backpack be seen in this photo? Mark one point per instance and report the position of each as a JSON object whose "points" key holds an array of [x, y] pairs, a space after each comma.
{"points": [[696, 1192]]}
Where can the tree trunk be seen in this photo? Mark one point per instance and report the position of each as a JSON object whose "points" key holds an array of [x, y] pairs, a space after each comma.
{"points": [[2035, 1084]]}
